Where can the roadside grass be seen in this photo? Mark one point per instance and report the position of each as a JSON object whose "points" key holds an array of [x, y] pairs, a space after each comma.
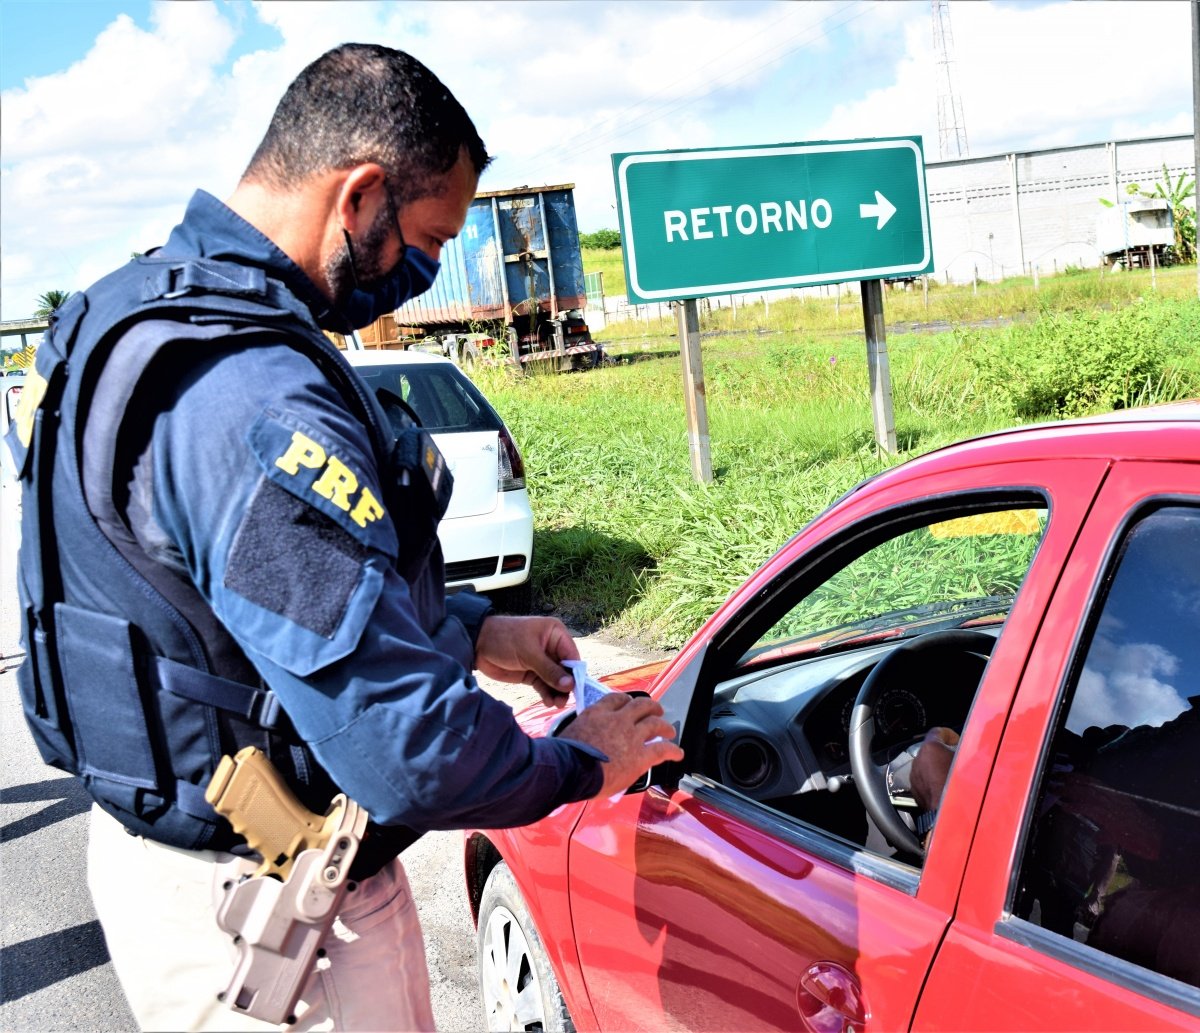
{"points": [[1014, 298], [626, 539]]}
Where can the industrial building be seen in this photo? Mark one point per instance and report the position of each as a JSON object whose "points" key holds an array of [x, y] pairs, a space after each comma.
{"points": [[1005, 214]]}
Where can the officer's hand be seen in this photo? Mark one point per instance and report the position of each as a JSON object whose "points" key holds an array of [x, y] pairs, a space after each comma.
{"points": [[528, 651], [620, 726]]}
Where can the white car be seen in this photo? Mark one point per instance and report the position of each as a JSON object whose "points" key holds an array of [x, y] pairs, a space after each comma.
{"points": [[10, 394], [487, 532]]}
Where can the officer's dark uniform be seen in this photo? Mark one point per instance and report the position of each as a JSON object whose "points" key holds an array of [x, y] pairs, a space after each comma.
{"points": [[256, 482], [372, 669], [223, 544]]}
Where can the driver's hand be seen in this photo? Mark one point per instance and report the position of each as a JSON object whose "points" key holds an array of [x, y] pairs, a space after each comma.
{"points": [[931, 767]]}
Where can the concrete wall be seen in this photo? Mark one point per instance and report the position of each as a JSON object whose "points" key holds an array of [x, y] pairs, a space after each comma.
{"points": [[1005, 213]]}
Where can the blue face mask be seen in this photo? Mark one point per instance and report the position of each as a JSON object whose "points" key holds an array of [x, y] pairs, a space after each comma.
{"points": [[422, 271], [412, 278]]}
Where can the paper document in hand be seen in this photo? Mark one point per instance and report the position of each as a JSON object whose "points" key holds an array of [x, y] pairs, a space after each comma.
{"points": [[587, 689]]}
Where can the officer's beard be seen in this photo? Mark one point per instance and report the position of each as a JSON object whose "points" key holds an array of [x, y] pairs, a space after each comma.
{"points": [[358, 265]]}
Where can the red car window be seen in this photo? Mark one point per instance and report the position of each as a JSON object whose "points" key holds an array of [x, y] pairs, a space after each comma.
{"points": [[783, 735], [1110, 861], [968, 565]]}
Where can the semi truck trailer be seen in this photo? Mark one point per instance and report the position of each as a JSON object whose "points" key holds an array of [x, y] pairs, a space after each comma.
{"points": [[511, 285]]}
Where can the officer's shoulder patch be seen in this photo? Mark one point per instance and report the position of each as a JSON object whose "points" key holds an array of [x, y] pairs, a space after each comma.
{"points": [[297, 587], [310, 465], [294, 561]]}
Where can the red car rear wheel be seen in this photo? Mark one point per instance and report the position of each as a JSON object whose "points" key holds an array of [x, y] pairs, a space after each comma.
{"points": [[517, 985]]}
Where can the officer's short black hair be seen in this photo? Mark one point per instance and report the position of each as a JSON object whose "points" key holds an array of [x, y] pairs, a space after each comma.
{"points": [[361, 103]]}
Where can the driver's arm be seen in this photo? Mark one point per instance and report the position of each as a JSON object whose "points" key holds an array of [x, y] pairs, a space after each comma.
{"points": [[931, 767]]}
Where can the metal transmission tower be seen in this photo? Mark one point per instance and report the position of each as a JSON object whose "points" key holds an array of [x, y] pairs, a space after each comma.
{"points": [[952, 127]]}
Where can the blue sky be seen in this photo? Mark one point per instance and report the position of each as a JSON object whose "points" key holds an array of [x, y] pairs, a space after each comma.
{"points": [[41, 37], [112, 113]]}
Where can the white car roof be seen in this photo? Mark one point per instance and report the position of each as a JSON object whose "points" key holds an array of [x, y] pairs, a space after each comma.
{"points": [[392, 357]]}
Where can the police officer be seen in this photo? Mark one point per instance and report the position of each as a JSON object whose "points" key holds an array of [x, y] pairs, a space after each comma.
{"points": [[223, 544]]}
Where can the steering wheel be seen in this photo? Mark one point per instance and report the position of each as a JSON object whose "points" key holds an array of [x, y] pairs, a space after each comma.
{"points": [[392, 403], [911, 660]]}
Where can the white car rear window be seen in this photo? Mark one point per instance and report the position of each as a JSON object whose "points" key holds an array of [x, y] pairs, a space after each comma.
{"points": [[443, 399]]}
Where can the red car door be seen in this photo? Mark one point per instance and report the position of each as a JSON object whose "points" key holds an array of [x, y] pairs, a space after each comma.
{"points": [[1012, 962], [698, 917], [697, 908]]}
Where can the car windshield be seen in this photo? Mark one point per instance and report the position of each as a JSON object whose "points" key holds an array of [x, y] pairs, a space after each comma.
{"points": [[444, 400], [963, 572]]}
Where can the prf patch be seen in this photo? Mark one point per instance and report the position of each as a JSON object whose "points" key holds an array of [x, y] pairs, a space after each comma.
{"points": [[312, 467], [335, 480]]}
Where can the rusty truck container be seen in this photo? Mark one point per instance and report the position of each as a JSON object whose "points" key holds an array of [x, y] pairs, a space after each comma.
{"points": [[511, 286], [517, 255]]}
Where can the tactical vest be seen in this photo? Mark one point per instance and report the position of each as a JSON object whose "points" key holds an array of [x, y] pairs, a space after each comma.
{"points": [[130, 681]]}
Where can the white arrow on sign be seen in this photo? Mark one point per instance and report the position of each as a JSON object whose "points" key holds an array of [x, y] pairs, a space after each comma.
{"points": [[883, 209]]}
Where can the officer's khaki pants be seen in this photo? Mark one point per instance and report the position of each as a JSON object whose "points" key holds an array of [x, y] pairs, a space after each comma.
{"points": [[157, 907]]}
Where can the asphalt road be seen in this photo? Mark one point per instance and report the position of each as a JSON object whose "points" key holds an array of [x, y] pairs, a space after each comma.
{"points": [[55, 972]]}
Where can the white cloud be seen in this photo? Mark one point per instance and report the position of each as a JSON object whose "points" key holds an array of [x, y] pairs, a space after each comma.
{"points": [[98, 159], [1053, 70], [1032, 77], [129, 81], [907, 106], [1124, 684], [105, 147]]}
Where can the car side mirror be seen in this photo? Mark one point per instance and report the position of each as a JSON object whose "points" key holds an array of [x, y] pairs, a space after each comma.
{"points": [[563, 723]]}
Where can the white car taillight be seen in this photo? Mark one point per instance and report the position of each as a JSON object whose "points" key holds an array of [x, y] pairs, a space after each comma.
{"points": [[511, 468]]}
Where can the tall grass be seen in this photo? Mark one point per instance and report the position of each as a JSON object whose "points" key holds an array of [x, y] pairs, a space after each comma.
{"points": [[836, 312], [625, 538]]}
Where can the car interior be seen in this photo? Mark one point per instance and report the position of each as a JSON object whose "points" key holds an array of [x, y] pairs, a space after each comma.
{"points": [[439, 396], [823, 717]]}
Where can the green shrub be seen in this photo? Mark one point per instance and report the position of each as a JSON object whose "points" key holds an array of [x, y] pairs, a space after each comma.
{"points": [[1066, 364], [605, 240], [626, 539]]}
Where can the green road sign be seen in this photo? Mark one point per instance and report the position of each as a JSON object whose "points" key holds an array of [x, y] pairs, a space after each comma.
{"points": [[734, 219]]}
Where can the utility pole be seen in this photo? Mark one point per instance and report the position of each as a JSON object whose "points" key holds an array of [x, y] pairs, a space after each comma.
{"points": [[952, 127], [1196, 123]]}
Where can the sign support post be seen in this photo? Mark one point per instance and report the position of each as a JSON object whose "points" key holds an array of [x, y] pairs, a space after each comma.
{"points": [[731, 220], [687, 317], [877, 365]]}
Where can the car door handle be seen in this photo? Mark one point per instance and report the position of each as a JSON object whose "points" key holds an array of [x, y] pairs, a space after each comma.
{"points": [[830, 999]]}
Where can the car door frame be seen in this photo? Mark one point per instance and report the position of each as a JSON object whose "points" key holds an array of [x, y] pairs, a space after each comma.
{"points": [[873, 513], [807, 559], [984, 933]]}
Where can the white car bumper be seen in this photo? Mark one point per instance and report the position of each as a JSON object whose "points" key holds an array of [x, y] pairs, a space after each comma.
{"points": [[475, 547]]}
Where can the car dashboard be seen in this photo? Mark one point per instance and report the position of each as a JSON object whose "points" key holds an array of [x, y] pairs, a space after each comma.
{"points": [[784, 730]]}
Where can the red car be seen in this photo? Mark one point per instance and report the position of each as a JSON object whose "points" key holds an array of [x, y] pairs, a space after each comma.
{"points": [[1027, 607]]}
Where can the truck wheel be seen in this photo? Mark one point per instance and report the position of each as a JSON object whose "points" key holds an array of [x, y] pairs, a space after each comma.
{"points": [[517, 985], [470, 355]]}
